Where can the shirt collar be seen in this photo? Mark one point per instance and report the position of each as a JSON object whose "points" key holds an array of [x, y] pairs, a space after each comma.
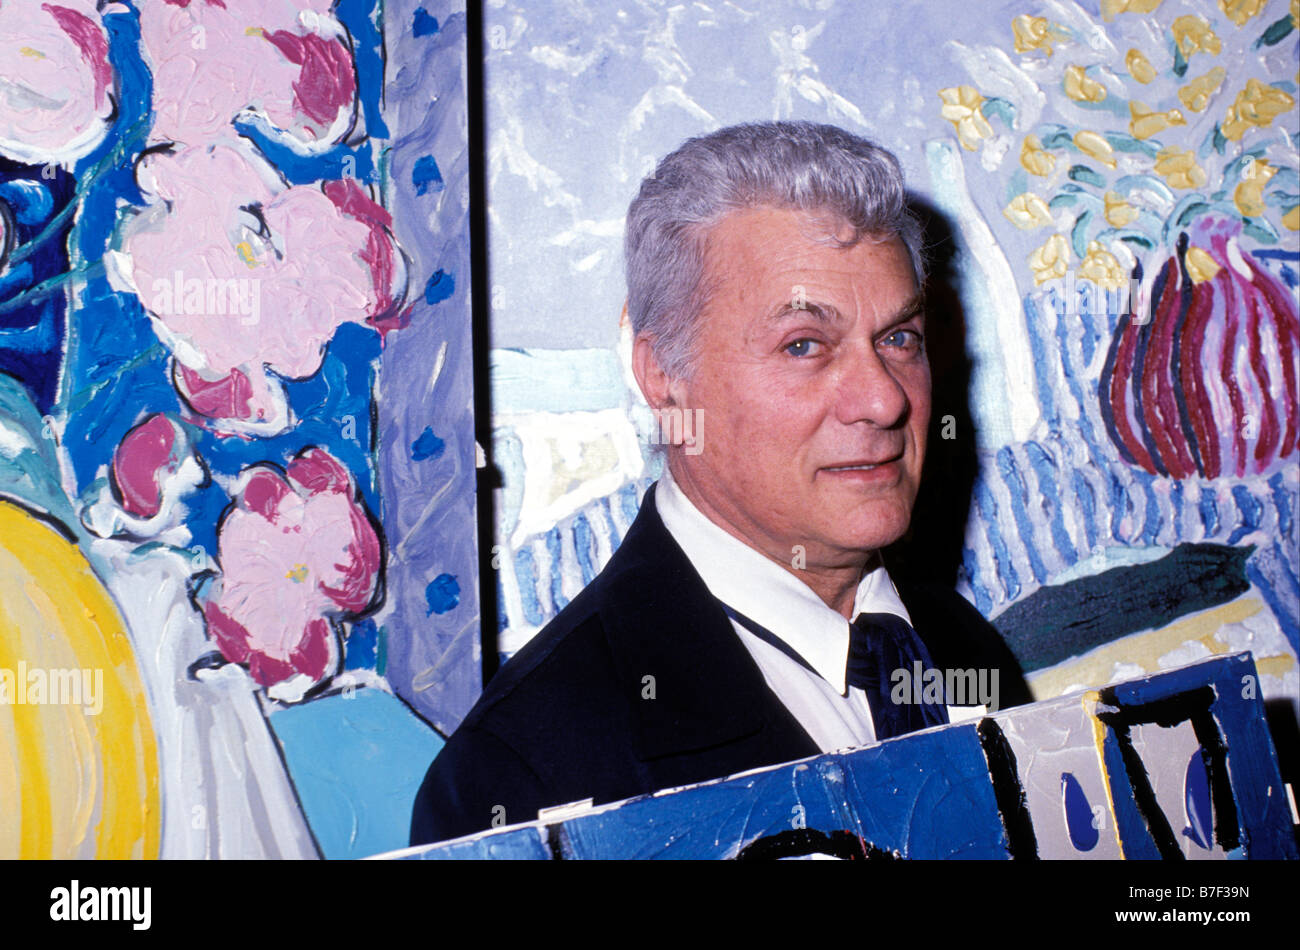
{"points": [[767, 593]]}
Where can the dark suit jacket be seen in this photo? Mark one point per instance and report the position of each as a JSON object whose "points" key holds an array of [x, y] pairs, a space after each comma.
{"points": [[569, 716]]}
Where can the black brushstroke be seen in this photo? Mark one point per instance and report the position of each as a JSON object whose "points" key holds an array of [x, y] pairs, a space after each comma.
{"points": [[212, 660], [1009, 794], [1055, 623], [1214, 753], [1144, 796]]}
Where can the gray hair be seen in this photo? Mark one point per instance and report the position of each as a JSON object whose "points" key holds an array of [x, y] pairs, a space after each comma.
{"points": [[798, 165]]}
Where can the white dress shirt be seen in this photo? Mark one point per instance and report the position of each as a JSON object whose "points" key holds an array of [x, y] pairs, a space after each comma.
{"points": [[774, 598]]}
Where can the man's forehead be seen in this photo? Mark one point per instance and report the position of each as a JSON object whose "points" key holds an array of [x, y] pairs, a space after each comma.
{"points": [[788, 260]]}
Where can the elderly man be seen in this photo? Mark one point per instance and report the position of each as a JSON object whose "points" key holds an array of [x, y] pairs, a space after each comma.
{"points": [[775, 293]]}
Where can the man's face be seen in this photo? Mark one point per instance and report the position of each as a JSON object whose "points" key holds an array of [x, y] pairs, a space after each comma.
{"points": [[814, 385]]}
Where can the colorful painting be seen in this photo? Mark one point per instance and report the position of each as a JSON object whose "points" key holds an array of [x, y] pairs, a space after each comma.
{"points": [[1111, 191], [1176, 766], [238, 591]]}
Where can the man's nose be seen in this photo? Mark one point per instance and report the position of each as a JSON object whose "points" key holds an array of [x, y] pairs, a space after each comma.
{"points": [[870, 392]]}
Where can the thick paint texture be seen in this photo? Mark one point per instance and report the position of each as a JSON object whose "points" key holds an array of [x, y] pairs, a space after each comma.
{"points": [[79, 771], [964, 791], [297, 554], [201, 290], [283, 63], [235, 293], [1113, 328], [57, 81]]}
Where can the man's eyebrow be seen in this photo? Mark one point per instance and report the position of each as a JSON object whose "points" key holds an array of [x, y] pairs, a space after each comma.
{"points": [[909, 310], [822, 313], [825, 313]]}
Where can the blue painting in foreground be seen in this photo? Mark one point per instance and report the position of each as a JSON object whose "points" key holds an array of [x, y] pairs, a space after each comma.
{"points": [[977, 789]]}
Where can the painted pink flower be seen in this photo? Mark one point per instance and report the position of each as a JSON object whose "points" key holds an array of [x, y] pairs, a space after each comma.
{"points": [[299, 556], [153, 468], [146, 457], [253, 276], [56, 83], [284, 65]]}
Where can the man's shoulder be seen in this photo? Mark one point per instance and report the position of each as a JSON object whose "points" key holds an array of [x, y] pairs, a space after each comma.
{"points": [[559, 721], [570, 673], [568, 654]]}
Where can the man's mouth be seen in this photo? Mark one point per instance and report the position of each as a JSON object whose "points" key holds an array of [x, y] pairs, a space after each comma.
{"points": [[861, 465]]}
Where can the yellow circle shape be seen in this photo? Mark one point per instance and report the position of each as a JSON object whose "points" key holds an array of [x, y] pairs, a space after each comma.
{"points": [[78, 758]]}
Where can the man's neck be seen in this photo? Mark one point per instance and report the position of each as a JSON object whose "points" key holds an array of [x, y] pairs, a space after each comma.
{"points": [[836, 585]]}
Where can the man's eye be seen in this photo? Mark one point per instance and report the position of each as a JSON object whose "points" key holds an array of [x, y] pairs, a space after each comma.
{"points": [[801, 347], [903, 339]]}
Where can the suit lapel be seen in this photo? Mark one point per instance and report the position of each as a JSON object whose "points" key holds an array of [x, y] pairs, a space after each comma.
{"points": [[695, 685]]}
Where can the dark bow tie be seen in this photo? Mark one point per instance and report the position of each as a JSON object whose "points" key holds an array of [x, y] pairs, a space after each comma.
{"points": [[879, 645]]}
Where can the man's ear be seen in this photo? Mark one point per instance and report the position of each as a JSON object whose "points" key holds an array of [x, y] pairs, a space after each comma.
{"points": [[656, 385]]}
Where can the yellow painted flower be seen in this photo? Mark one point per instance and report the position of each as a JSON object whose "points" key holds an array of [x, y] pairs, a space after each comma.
{"points": [[1036, 159], [1178, 167], [1200, 265], [1139, 67], [1292, 218], [1094, 146], [1249, 195], [246, 253], [1146, 122], [1109, 8], [1080, 88], [1256, 105], [1196, 94], [1295, 14], [1239, 11], [961, 107], [1049, 261], [1028, 211], [1101, 267], [1031, 33], [1194, 35], [1119, 213]]}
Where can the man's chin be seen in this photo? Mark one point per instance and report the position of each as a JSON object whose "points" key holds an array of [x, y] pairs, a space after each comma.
{"points": [[869, 538]]}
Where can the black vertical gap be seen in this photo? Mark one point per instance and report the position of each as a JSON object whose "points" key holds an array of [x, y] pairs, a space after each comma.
{"points": [[487, 478], [556, 838]]}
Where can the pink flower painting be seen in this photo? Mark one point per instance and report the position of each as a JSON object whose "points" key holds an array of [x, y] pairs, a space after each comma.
{"points": [[248, 279], [299, 557], [284, 65], [56, 83]]}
